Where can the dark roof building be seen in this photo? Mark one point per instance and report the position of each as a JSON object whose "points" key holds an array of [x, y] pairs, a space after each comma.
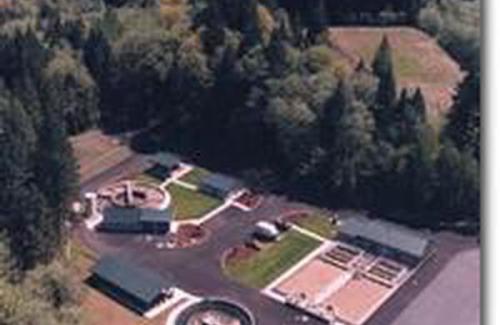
{"points": [[166, 159], [385, 234], [120, 219], [220, 185], [134, 286], [162, 165]]}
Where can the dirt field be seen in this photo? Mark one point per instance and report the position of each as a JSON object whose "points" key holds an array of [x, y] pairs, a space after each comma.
{"points": [[357, 299], [97, 152], [323, 274], [418, 60]]}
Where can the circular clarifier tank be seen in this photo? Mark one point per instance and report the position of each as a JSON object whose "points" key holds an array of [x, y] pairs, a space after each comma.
{"points": [[215, 312]]}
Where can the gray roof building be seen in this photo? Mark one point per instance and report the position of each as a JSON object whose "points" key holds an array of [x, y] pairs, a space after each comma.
{"points": [[386, 234], [133, 285], [166, 159], [220, 185], [135, 219]]}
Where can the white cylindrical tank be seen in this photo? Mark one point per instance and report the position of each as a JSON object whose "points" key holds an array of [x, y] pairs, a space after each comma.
{"points": [[91, 198], [267, 230]]}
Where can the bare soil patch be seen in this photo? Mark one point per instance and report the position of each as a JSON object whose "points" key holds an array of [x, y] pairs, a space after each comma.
{"points": [[96, 152], [418, 60], [311, 279], [356, 300]]}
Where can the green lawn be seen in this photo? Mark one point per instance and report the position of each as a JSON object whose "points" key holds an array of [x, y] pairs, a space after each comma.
{"points": [[195, 176], [318, 224], [189, 204], [266, 265]]}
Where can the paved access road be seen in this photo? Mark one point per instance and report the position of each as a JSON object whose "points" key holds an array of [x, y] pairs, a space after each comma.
{"points": [[453, 297]]}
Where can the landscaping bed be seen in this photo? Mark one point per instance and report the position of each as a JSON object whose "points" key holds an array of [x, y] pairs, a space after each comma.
{"points": [[249, 199], [189, 204], [313, 221], [257, 268], [188, 236]]}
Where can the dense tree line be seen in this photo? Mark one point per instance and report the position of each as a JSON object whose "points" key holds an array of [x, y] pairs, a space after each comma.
{"points": [[243, 85], [44, 94], [45, 295]]}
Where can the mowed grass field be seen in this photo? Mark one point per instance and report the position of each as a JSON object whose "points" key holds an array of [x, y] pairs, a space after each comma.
{"points": [[418, 60], [261, 268], [189, 204]]}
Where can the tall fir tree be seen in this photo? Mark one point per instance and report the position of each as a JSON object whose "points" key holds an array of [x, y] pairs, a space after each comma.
{"points": [[464, 122], [383, 68], [22, 206], [351, 148], [333, 108], [56, 174], [460, 184], [17, 146], [97, 54], [319, 17]]}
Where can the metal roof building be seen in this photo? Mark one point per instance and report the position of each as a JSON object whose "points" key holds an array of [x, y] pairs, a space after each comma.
{"points": [[162, 165], [386, 234], [134, 286], [136, 220], [166, 159], [220, 185]]}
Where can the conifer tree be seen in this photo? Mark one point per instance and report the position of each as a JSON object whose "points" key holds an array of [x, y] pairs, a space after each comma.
{"points": [[464, 126], [56, 174], [383, 68], [319, 19], [338, 103], [17, 145], [352, 127]]}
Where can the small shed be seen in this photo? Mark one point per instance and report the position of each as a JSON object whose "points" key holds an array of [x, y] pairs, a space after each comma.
{"points": [[163, 164], [167, 160], [220, 185], [133, 286]]}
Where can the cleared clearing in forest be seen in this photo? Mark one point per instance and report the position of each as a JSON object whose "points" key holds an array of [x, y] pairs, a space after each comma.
{"points": [[96, 152], [418, 60]]}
